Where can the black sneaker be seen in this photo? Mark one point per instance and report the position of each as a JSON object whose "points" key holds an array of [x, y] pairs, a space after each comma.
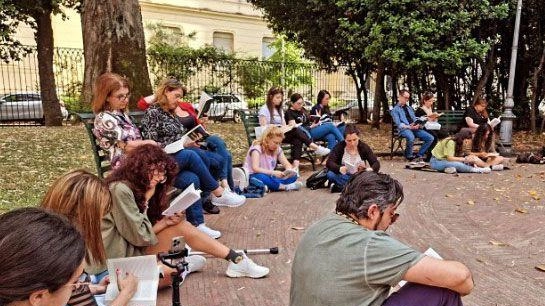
{"points": [[333, 188], [210, 208]]}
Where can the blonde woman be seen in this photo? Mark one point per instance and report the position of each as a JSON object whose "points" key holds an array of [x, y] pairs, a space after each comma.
{"points": [[262, 158]]}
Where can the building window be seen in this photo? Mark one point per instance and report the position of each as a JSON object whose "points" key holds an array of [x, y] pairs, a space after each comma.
{"points": [[223, 41], [267, 50]]}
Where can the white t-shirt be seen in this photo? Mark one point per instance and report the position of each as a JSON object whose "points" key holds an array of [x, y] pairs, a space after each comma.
{"points": [[277, 118]]}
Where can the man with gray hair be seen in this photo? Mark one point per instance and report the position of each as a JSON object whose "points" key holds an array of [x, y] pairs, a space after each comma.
{"points": [[346, 258]]}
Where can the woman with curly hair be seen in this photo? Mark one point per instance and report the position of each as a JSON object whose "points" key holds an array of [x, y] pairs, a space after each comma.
{"points": [[135, 224]]}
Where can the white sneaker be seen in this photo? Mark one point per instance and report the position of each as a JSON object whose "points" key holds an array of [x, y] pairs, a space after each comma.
{"points": [[229, 199], [481, 170], [246, 268], [322, 151], [210, 232], [497, 167], [294, 186], [240, 178], [450, 170], [194, 263]]}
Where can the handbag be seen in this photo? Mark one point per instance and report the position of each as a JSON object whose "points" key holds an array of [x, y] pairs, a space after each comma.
{"points": [[317, 179]]}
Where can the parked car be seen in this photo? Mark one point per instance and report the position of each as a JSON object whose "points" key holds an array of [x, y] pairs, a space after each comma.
{"points": [[24, 106], [225, 107]]}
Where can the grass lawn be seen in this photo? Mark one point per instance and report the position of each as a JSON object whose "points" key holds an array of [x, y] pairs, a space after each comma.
{"points": [[32, 157]]}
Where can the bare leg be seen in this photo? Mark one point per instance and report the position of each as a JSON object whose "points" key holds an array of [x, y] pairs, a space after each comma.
{"points": [[495, 160]]}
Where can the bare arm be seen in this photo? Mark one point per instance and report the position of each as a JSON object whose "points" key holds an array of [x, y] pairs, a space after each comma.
{"points": [[263, 121], [470, 123], [284, 161], [441, 273], [131, 144]]}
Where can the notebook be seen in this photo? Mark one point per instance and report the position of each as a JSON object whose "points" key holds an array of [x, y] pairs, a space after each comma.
{"points": [[146, 271], [185, 199]]}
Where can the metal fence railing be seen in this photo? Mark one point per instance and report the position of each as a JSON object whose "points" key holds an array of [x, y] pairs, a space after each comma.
{"points": [[248, 80]]}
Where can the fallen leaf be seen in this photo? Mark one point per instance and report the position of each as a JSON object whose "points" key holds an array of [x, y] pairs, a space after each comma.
{"points": [[297, 228], [521, 210], [499, 190], [498, 243], [470, 202], [448, 195], [533, 193], [541, 268]]}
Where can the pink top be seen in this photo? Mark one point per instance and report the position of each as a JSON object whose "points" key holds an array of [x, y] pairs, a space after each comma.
{"points": [[265, 161]]}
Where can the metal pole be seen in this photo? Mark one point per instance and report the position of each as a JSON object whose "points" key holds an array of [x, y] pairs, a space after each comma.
{"points": [[506, 130]]}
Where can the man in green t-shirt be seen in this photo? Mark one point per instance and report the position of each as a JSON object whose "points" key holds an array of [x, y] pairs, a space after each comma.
{"points": [[346, 258]]}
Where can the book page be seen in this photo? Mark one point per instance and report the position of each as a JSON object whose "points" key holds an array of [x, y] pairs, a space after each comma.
{"points": [[176, 146], [289, 173], [202, 101], [146, 271], [185, 199]]}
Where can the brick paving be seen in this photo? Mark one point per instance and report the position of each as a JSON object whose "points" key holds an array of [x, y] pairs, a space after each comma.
{"points": [[470, 217]]}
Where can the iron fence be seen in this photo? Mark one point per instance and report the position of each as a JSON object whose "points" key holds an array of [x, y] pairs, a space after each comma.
{"points": [[244, 80]]}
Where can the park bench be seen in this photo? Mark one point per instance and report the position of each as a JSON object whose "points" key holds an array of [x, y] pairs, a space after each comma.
{"points": [[450, 121], [250, 119], [102, 157]]}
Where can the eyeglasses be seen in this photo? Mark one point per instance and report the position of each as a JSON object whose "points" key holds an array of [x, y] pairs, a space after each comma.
{"points": [[122, 97], [160, 174]]}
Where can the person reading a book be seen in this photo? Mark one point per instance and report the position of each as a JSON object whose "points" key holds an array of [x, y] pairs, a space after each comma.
{"points": [[322, 112], [425, 110], [476, 119], [410, 128], [136, 226], [263, 157], [113, 128], [272, 114], [347, 258], [85, 199], [349, 157], [297, 115], [448, 156], [42, 258]]}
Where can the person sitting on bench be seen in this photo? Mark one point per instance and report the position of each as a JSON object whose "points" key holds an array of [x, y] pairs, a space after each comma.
{"points": [[409, 128], [348, 157]]}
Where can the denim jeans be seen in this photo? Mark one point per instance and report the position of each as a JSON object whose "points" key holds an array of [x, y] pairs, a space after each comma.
{"points": [[328, 132], [273, 182], [193, 170], [441, 164], [217, 145], [212, 160], [337, 178], [421, 295], [410, 136]]}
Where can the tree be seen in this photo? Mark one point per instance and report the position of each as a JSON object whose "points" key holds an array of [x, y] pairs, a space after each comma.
{"points": [[113, 41], [36, 14]]}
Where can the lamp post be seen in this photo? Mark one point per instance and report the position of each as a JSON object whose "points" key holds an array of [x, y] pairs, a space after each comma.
{"points": [[506, 130]]}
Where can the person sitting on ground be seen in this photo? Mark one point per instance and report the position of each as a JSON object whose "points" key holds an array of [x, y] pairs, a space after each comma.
{"points": [[405, 120], [135, 225], [262, 158], [476, 119], [322, 109], [119, 135], [348, 157], [448, 156], [42, 258], [272, 114], [296, 114], [84, 199], [347, 258]]}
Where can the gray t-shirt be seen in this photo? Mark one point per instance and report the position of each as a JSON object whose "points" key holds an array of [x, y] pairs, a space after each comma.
{"points": [[338, 262]]}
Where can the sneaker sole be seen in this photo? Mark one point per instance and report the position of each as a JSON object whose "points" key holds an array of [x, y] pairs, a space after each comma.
{"points": [[228, 205], [234, 274]]}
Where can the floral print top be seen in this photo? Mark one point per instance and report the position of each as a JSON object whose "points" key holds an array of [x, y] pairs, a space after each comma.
{"points": [[112, 128], [161, 126]]}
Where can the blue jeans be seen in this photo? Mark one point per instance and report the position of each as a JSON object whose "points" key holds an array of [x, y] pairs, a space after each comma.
{"points": [[217, 145], [441, 164], [193, 170], [328, 132], [212, 160], [273, 182], [410, 136], [337, 178]]}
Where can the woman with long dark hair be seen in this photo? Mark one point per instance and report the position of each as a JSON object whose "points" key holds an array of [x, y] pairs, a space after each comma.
{"points": [[476, 120], [322, 109]]}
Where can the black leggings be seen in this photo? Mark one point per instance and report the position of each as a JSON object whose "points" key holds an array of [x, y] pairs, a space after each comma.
{"points": [[296, 138]]}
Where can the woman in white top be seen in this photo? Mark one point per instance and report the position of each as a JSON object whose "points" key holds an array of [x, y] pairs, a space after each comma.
{"points": [[272, 114]]}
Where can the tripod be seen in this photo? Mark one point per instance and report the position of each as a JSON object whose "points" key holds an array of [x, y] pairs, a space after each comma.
{"points": [[175, 260]]}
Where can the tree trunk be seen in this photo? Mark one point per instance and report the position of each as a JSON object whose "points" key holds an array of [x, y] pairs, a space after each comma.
{"points": [[113, 41], [44, 43], [353, 72], [535, 94], [379, 97], [488, 69]]}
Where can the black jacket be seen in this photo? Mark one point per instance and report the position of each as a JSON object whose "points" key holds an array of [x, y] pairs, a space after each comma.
{"points": [[334, 161]]}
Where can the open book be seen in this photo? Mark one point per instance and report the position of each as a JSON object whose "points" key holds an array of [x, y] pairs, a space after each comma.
{"points": [[196, 134], [203, 107], [289, 173], [185, 199], [146, 271]]}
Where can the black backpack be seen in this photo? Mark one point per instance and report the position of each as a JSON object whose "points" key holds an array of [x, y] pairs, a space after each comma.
{"points": [[317, 180]]}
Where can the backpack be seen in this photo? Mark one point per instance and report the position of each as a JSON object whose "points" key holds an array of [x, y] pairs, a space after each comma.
{"points": [[317, 179]]}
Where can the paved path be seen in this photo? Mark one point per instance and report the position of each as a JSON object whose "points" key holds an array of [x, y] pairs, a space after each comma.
{"points": [[469, 217]]}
